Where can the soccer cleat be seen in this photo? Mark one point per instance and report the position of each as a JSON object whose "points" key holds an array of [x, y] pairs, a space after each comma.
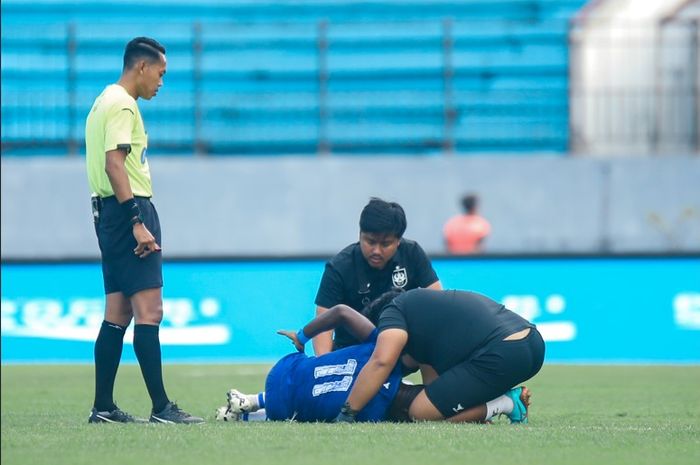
{"points": [[225, 414], [238, 402], [173, 414], [114, 416], [521, 401]]}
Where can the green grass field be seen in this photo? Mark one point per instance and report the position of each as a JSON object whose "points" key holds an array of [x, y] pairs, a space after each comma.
{"points": [[580, 415]]}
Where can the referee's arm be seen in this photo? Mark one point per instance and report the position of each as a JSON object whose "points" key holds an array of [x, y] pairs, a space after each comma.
{"points": [[116, 172], [119, 179]]}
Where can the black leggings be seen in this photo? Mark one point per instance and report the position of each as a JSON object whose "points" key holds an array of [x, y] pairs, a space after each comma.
{"points": [[488, 373]]}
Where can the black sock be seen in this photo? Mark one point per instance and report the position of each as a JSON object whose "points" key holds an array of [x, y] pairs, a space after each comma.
{"points": [[108, 353], [147, 349]]}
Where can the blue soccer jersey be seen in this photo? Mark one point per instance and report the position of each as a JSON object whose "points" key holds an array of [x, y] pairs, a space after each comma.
{"points": [[311, 389]]}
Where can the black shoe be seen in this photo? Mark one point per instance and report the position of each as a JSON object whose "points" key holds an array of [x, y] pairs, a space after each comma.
{"points": [[172, 414], [114, 416]]}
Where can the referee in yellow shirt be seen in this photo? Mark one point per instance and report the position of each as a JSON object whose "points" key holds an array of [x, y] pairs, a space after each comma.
{"points": [[128, 233]]}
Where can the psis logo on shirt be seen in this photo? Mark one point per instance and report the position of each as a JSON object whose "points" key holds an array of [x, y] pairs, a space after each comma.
{"points": [[399, 277]]}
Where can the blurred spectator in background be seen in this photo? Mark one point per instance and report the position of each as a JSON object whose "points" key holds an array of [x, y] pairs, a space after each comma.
{"points": [[364, 270], [465, 233]]}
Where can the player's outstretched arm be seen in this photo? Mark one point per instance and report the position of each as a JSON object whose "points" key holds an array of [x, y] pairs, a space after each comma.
{"points": [[339, 315]]}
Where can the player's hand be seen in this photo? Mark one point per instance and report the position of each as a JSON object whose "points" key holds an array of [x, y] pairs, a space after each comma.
{"points": [[346, 415], [293, 336], [344, 418], [146, 243]]}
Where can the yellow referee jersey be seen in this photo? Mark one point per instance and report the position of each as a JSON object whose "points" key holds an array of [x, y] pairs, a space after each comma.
{"points": [[115, 122]]}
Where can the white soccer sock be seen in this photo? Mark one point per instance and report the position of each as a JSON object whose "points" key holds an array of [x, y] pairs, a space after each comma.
{"points": [[257, 401], [501, 404], [259, 415]]}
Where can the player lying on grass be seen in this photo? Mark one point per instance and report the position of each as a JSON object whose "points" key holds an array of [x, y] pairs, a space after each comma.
{"points": [[314, 389]]}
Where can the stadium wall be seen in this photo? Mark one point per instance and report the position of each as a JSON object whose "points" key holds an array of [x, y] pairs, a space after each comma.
{"points": [[588, 309], [301, 206]]}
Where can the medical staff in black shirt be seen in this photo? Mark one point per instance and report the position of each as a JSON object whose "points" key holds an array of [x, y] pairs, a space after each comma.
{"points": [[381, 260], [477, 348]]}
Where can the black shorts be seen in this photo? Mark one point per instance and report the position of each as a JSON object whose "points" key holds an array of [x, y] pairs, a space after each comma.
{"points": [[122, 270], [489, 373]]}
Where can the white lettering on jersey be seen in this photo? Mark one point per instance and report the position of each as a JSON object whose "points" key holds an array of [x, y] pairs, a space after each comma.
{"points": [[332, 386], [338, 370]]}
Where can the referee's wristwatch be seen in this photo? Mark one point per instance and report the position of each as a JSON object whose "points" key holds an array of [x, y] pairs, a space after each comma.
{"points": [[137, 219]]}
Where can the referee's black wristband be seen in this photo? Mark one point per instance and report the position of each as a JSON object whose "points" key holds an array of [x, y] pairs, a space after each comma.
{"points": [[131, 210]]}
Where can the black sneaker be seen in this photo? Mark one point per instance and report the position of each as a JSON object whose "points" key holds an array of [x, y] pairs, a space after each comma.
{"points": [[172, 414], [115, 416]]}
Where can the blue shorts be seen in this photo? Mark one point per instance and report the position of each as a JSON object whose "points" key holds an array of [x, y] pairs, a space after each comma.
{"points": [[122, 270], [279, 387]]}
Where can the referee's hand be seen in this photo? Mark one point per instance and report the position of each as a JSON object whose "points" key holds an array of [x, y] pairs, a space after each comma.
{"points": [[146, 243]]}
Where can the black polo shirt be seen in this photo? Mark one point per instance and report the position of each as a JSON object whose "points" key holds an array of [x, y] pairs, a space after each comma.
{"points": [[348, 279], [446, 327]]}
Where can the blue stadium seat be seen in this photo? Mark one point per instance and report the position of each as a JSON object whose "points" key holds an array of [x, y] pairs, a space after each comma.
{"points": [[252, 72]]}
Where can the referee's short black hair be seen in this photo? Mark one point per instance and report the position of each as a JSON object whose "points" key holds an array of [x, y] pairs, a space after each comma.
{"points": [[142, 47], [382, 217]]}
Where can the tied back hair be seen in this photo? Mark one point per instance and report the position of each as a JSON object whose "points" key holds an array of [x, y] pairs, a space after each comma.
{"points": [[375, 308]]}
